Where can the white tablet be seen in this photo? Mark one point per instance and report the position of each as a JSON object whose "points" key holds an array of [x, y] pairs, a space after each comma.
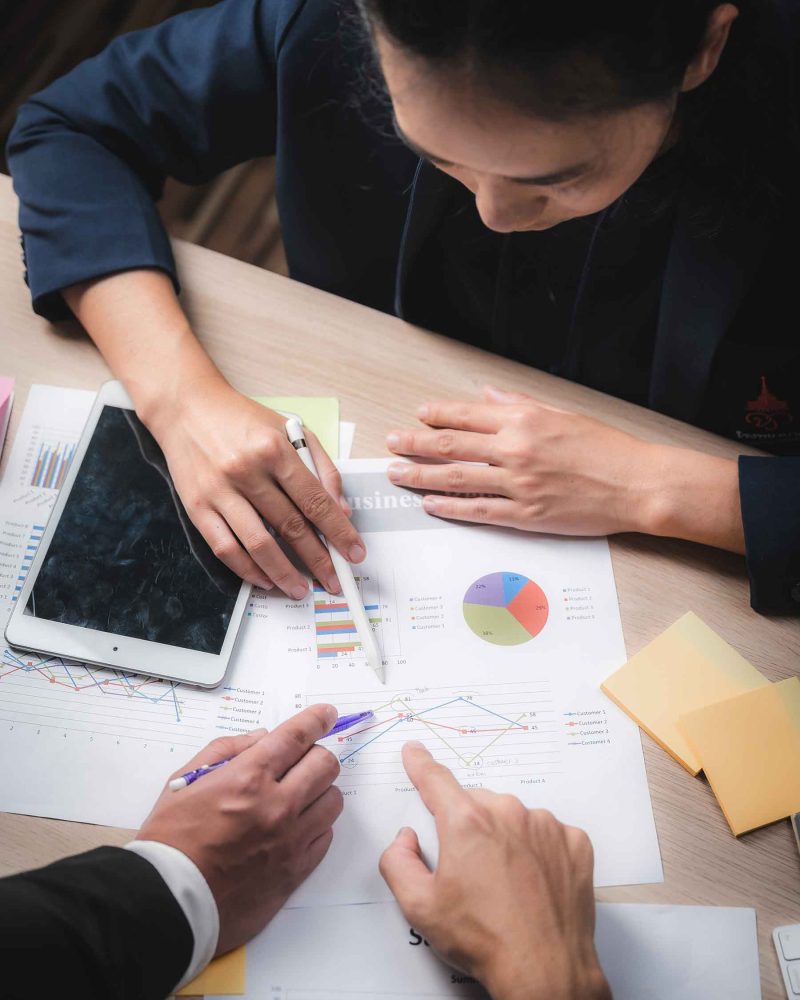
{"points": [[122, 578]]}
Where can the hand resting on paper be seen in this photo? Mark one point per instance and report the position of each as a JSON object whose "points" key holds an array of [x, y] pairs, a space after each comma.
{"points": [[511, 900], [259, 826], [540, 468]]}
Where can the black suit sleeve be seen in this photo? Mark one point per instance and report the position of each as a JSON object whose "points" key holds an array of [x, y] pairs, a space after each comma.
{"points": [[770, 493], [98, 925]]}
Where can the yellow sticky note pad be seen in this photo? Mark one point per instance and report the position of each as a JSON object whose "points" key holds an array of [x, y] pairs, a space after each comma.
{"points": [[750, 751], [319, 413], [225, 976], [687, 667]]}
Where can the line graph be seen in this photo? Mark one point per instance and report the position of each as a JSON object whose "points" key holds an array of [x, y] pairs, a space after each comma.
{"points": [[51, 692], [503, 730]]}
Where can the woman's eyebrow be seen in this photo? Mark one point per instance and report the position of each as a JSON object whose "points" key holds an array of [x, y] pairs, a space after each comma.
{"points": [[543, 180]]}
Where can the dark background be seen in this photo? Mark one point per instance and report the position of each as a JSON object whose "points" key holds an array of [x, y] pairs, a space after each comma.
{"points": [[43, 39]]}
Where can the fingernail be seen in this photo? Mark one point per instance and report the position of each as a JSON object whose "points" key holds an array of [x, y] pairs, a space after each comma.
{"points": [[423, 412], [429, 505], [333, 586], [264, 583], [356, 553], [392, 441], [299, 592], [415, 744], [395, 473]]}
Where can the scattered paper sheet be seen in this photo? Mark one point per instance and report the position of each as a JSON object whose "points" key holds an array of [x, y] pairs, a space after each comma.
{"points": [[749, 748], [686, 667], [361, 952]]}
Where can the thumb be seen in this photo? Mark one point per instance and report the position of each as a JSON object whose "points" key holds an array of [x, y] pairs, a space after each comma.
{"points": [[404, 871], [494, 395]]}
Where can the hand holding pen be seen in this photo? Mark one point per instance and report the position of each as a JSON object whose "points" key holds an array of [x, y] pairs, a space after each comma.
{"points": [[258, 828], [294, 431], [342, 723]]}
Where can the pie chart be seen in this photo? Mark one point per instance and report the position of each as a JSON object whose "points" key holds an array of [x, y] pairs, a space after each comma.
{"points": [[506, 609]]}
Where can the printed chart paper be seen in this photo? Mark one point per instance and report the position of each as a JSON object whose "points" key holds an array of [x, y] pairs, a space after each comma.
{"points": [[495, 644], [120, 734], [91, 744], [365, 952]]}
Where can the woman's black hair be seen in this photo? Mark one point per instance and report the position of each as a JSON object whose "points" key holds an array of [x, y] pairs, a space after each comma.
{"points": [[562, 59]]}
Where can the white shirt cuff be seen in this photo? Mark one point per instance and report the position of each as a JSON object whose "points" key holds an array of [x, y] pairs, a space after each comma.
{"points": [[186, 883]]}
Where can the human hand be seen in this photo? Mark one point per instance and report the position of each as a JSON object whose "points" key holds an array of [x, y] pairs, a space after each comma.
{"points": [[233, 466], [511, 900], [259, 826], [553, 471]]}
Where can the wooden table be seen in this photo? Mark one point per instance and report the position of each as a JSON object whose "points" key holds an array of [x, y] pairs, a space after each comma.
{"points": [[270, 334]]}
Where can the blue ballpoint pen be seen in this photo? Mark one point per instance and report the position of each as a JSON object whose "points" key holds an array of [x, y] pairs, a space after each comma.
{"points": [[342, 723]]}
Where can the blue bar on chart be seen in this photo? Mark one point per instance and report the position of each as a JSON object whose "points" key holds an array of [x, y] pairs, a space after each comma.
{"points": [[31, 545]]}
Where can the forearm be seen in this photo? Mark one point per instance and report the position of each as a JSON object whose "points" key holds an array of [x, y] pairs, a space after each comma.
{"points": [[691, 495], [138, 325]]}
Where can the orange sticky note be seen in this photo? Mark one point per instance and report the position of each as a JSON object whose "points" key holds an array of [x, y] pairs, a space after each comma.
{"points": [[686, 667], [750, 751], [225, 976]]}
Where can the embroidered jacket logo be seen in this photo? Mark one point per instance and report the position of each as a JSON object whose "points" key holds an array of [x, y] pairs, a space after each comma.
{"points": [[767, 411]]}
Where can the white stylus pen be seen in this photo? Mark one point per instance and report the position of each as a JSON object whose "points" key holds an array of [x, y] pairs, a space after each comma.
{"points": [[294, 431]]}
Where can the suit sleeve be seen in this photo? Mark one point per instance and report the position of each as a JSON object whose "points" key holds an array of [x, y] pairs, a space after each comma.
{"points": [[99, 926], [90, 153], [770, 494]]}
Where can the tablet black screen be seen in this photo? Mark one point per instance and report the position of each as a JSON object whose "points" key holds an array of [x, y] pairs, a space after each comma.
{"points": [[125, 557]]}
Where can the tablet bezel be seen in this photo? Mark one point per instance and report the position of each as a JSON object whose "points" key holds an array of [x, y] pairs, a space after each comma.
{"points": [[106, 649]]}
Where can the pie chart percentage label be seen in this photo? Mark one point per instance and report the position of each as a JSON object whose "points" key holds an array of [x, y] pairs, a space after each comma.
{"points": [[506, 609]]}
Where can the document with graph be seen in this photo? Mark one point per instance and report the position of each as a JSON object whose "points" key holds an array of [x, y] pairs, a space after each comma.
{"points": [[88, 743], [495, 643]]}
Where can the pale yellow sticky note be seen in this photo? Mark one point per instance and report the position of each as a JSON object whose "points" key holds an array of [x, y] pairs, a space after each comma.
{"points": [[684, 668], [319, 413], [225, 976], [750, 750]]}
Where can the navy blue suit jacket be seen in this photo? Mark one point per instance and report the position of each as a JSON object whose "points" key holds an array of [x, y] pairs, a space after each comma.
{"points": [[212, 88]]}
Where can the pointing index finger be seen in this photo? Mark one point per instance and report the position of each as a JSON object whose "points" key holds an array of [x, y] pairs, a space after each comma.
{"points": [[436, 784]]}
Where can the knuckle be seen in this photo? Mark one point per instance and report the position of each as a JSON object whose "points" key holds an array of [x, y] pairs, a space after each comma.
{"points": [[293, 526], [480, 511], [445, 443], [580, 846], [235, 465], [268, 447], [315, 504], [258, 543], [511, 809], [412, 474], [279, 812], [224, 549], [454, 476]]}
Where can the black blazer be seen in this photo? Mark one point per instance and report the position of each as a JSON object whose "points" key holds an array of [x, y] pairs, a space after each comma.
{"points": [[98, 926], [215, 87]]}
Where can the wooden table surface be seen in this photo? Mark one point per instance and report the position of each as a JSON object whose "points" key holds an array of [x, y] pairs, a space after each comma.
{"points": [[272, 335]]}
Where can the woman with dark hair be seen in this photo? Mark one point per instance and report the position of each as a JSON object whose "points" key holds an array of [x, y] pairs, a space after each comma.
{"points": [[604, 191]]}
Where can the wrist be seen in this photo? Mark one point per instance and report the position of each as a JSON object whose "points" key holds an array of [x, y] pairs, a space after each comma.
{"points": [[547, 980], [161, 402], [690, 495]]}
